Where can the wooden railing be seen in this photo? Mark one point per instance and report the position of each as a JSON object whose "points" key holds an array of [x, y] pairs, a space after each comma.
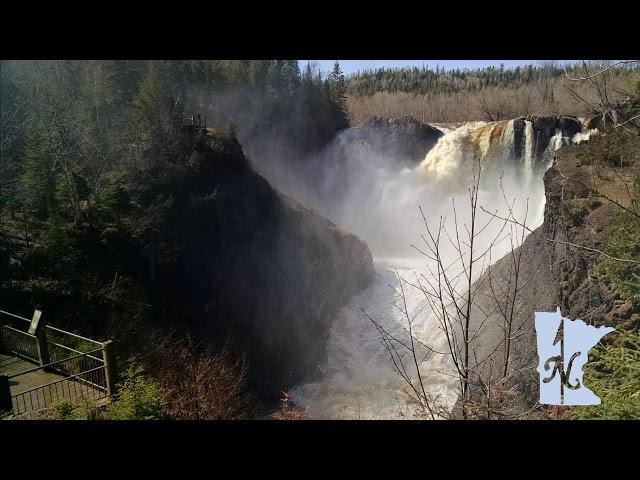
{"points": [[85, 368]]}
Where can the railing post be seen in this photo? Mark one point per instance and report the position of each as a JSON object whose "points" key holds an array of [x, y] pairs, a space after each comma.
{"points": [[3, 347], [38, 328], [110, 367], [5, 394]]}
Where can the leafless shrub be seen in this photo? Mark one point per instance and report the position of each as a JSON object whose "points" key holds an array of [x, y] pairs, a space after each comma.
{"points": [[200, 383], [595, 87], [289, 411], [546, 96], [464, 293], [495, 104]]}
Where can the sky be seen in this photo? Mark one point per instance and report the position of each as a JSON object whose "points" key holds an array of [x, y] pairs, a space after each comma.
{"points": [[352, 66]]}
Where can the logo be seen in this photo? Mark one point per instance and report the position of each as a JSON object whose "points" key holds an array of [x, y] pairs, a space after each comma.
{"points": [[563, 349]]}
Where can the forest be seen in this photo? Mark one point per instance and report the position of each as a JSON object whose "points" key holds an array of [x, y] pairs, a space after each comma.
{"points": [[492, 93], [96, 170]]}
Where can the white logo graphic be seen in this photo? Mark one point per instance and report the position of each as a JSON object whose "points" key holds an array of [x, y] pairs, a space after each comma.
{"points": [[563, 349]]}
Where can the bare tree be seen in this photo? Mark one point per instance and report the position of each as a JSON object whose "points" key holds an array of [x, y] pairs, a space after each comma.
{"points": [[494, 104], [199, 382], [616, 105], [463, 293]]}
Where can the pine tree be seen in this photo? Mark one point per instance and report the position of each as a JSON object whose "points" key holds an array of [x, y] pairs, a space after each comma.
{"points": [[274, 78], [149, 91], [338, 95], [117, 197], [38, 177], [291, 74], [155, 110]]}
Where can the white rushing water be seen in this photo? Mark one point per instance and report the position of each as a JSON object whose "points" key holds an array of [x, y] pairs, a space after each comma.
{"points": [[358, 380]]}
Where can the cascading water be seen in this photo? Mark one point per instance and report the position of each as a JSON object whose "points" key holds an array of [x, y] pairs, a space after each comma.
{"points": [[528, 149], [358, 379], [584, 136]]}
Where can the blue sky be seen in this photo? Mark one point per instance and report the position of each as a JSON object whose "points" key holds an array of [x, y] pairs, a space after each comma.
{"points": [[352, 66]]}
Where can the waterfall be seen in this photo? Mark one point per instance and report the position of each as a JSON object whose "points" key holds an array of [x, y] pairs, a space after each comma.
{"points": [[528, 149], [580, 137], [358, 380], [456, 154], [555, 143], [453, 150], [508, 140]]}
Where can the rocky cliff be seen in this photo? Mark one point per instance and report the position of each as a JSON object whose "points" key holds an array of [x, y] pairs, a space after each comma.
{"points": [[560, 262], [252, 264], [543, 128]]}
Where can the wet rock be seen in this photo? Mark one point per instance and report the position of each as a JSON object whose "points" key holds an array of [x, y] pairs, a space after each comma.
{"points": [[544, 128], [405, 139]]}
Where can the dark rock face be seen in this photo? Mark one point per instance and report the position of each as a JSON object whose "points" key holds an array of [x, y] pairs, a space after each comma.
{"points": [[405, 139], [543, 129], [594, 122], [519, 137], [259, 267]]}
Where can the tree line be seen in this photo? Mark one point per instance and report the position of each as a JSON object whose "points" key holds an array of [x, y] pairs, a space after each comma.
{"points": [[424, 80]]}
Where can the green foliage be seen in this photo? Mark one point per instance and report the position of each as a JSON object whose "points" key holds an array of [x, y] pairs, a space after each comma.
{"points": [[613, 373], [38, 175], [149, 92], [63, 410], [58, 241], [116, 196], [425, 80], [87, 143], [138, 398], [338, 95], [622, 240]]}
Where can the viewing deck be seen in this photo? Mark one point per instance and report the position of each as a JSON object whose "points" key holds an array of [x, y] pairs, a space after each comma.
{"points": [[42, 366], [58, 389]]}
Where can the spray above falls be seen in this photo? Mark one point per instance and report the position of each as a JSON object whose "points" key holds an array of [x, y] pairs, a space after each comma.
{"points": [[380, 193]]}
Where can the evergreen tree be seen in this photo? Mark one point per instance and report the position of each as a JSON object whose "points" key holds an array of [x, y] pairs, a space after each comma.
{"points": [[291, 73], [338, 95], [148, 95], [117, 197], [38, 175], [275, 78], [156, 113]]}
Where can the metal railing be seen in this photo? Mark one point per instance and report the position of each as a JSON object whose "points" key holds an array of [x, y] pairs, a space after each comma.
{"points": [[71, 368], [19, 343], [85, 379]]}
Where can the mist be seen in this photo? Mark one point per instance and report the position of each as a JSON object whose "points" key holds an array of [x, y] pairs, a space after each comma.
{"points": [[382, 205]]}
